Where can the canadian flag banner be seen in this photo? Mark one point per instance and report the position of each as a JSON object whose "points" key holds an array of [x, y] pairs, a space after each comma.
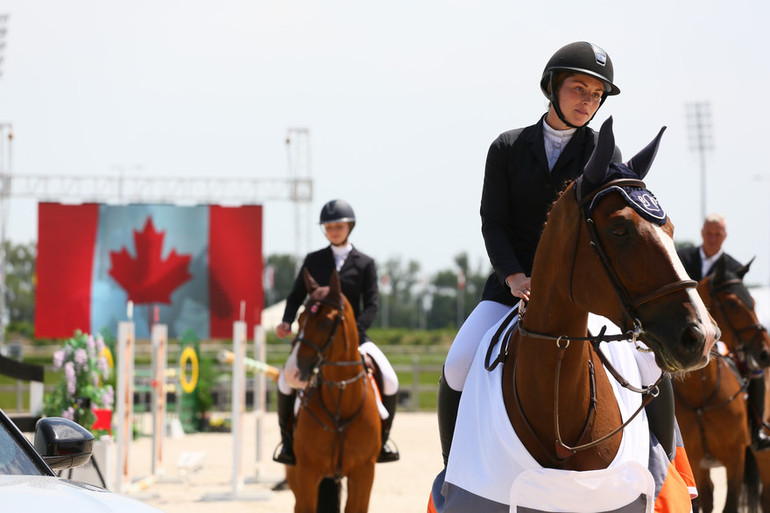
{"points": [[194, 265]]}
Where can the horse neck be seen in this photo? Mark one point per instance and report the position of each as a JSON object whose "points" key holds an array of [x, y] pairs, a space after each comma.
{"points": [[549, 314]]}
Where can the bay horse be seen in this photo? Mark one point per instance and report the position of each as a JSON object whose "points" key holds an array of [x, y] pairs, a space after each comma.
{"points": [[606, 248], [337, 430], [710, 404]]}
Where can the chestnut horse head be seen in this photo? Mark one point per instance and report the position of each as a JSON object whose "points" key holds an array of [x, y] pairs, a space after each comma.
{"points": [[732, 306], [337, 429], [710, 405], [611, 253]]}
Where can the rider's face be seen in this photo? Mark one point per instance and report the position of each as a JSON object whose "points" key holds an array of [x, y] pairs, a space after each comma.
{"points": [[337, 233], [714, 234], [579, 98]]}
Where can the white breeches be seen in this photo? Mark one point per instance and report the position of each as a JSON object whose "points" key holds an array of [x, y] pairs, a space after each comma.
{"points": [[289, 378], [464, 346]]}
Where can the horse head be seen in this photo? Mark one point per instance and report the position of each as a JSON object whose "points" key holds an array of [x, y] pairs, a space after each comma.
{"points": [[621, 260], [325, 335], [732, 306]]}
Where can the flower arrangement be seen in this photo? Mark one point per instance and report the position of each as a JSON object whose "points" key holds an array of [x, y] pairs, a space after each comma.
{"points": [[83, 387]]}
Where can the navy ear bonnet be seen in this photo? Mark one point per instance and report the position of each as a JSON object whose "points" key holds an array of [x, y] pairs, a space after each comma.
{"points": [[640, 199], [600, 170]]}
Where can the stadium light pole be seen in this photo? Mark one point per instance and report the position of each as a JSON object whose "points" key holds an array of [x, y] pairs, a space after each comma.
{"points": [[699, 124]]}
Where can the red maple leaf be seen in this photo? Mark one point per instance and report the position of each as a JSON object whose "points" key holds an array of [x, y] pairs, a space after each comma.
{"points": [[148, 278]]}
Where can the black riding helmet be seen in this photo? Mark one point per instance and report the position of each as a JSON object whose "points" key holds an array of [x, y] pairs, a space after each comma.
{"points": [[580, 57], [338, 211]]}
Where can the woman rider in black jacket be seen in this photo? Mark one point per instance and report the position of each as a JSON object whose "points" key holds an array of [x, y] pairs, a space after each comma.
{"points": [[525, 171], [358, 280]]}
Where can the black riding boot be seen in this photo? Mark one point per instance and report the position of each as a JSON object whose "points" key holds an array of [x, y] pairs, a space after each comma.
{"points": [[448, 402], [285, 420], [759, 439], [388, 454], [660, 415]]}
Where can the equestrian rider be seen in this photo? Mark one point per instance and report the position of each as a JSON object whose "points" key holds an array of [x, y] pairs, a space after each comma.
{"points": [[526, 169], [699, 262], [358, 279]]}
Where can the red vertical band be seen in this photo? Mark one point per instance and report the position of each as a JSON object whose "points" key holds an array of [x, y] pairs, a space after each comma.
{"points": [[65, 255], [235, 267]]}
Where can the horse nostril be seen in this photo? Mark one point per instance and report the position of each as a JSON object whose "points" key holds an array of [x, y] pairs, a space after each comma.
{"points": [[693, 336]]}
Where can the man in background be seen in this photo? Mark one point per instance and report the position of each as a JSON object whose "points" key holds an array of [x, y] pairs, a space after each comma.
{"points": [[699, 261]]}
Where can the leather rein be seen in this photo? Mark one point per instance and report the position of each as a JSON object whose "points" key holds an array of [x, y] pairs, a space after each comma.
{"points": [[630, 306]]}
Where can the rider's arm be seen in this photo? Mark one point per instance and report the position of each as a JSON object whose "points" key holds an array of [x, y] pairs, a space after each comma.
{"points": [[496, 215]]}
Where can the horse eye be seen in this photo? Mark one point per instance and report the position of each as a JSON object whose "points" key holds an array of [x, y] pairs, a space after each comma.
{"points": [[619, 231]]}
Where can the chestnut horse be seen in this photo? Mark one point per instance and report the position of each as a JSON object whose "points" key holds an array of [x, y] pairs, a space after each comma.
{"points": [[337, 431], [710, 404], [606, 248]]}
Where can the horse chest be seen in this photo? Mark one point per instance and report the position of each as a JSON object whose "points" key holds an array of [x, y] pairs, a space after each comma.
{"points": [[583, 409]]}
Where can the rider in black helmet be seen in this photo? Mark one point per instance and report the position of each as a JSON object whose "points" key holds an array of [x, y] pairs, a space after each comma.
{"points": [[581, 57], [525, 171], [358, 279]]}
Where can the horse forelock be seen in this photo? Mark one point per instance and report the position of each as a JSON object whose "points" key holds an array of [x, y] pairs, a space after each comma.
{"points": [[319, 294]]}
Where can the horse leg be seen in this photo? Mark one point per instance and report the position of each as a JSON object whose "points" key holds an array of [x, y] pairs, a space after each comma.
{"points": [[360, 489], [304, 484], [734, 471], [705, 489]]}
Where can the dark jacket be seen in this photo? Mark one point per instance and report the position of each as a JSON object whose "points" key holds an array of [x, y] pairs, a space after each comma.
{"points": [[518, 192], [692, 262], [358, 279]]}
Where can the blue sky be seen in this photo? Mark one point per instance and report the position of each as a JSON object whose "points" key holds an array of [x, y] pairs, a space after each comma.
{"points": [[401, 99]]}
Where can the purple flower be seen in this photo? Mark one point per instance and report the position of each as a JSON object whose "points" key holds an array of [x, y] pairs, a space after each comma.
{"points": [[91, 346], [58, 359], [69, 376], [99, 344], [81, 358], [69, 413], [108, 397]]}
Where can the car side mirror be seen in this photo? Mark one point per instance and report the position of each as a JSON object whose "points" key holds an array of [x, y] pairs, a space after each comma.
{"points": [[63, 443]]}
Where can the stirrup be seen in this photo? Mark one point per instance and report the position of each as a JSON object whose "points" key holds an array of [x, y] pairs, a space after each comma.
{"points": [[282, 455], [388, 454]]}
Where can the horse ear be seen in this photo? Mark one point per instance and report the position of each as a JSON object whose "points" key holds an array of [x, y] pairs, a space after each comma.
{"points": [[310, 283], [642, 161], [719, 270], [741, 271], [334, 286], [596, 168]]}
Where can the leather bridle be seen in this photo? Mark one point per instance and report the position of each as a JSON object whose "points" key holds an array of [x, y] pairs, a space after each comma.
{"points": [[630, 305]]}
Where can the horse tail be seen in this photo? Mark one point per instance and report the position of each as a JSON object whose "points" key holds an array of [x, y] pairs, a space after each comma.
{"points": [[752, 482]]}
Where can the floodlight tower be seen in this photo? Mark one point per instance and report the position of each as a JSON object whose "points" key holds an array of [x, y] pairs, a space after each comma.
{"points": [[298, 152], [701, 141]]}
